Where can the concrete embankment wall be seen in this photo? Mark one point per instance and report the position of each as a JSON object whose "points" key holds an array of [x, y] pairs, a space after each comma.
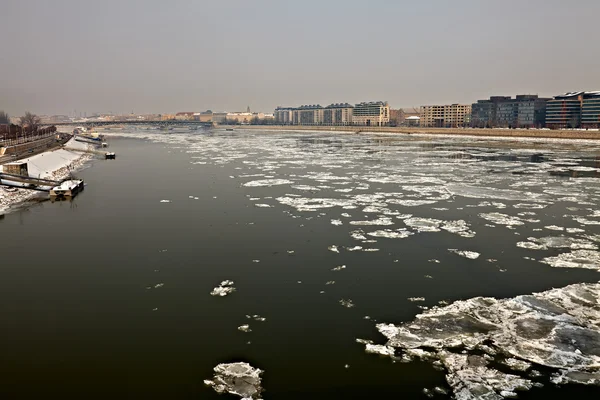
{"points": [[25, 147], [529, 133]]}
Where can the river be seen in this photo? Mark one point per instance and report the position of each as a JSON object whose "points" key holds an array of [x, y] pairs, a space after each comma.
{"points": [[109, 295]]}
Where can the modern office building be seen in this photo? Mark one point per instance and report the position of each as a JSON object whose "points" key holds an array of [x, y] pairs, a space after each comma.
{"points": [[573, 110], [524, 111], [375, 113], [590, 111], [283, 115], [445, 116], [483, 113], [338, 114]]}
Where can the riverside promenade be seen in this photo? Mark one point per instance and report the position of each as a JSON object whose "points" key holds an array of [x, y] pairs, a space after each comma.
{"points": [[504, 133]]}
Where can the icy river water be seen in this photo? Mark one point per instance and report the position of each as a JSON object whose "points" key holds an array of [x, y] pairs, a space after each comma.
{"points": [[326, 239]]}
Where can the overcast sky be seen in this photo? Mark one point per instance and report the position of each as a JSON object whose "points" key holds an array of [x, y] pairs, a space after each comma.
{"points": [[157, 56]]}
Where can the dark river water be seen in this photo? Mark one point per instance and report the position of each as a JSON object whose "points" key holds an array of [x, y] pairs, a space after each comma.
{"points": [[108, 296]]}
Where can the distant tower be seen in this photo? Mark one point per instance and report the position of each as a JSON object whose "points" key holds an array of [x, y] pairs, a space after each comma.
{"points": [[248, 109]]}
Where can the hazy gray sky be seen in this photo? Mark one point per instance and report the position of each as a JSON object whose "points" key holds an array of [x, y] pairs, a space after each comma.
{"points": [[151, 56]]}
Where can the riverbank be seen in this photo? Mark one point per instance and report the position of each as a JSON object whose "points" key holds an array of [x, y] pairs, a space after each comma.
{"points": [[55, 164], [501, 133]]}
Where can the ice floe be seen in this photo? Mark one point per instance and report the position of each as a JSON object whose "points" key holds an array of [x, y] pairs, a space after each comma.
{"points": [[347, 303], [587, 259], [333, 248], [380, 221], [240, 379], [558, 329], [502, 219], [545, 243], [390, 234], [267, 182], [224, 289], [465, 253], [339, 268], [244, 328]]}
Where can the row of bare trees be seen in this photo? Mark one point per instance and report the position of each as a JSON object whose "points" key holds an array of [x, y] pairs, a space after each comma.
{"points": [[29, 119]]}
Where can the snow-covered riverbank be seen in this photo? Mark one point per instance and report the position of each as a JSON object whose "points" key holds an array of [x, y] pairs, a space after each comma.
{"points": [[53, 165]]}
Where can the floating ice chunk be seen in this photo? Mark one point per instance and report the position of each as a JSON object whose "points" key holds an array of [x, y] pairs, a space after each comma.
{"points": [[333, 248], [255, 261], [575, 230], [290, 251], [558, 329], [433, 260], [165, 201], [423, 224], [256, 317], [159, 285], [464, 253], [529, 206], [557, 242], [330, 283], [370, 250], [240, 379], [588, 259], [346, 215], [459, 227], [390, 234], [263, 205], [339, 268], [347, 303], [355, 248], [225, 288], [336, 222], [364, 341], [516, 364], [501, 219], [244, 328], [412, 203], [585, 221], [379, 349], [554, 228], [380, 221], [416, 299], [358, 235], [267, 182]]}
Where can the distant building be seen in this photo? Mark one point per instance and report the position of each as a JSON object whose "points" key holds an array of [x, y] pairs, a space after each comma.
{"points": [[240, 117], [574, 110], [338, 114], [412, 121], [219, 117], [283, 115], [375, 113], [184, 116], [308, 115], [396, 117], [483, 113], [445, 116], [590, 112], [524, 111]]}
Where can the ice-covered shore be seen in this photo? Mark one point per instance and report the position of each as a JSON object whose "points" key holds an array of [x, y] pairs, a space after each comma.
{"points": [[558, 329], [55, 165]]}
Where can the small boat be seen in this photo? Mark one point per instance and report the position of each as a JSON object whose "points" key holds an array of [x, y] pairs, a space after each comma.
{"points": [[66, 189]]}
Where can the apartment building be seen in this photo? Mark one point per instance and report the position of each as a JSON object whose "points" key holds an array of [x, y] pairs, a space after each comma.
{"points": [[375, 113], [445, 116], [308, 115], [338, 114], [283, 115]]}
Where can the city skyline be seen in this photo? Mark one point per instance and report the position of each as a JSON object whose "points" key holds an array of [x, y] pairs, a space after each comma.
{"points": [[164, 58]]}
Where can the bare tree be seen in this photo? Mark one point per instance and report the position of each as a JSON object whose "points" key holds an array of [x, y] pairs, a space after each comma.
{"points": [[30, 120], [4, 118]]}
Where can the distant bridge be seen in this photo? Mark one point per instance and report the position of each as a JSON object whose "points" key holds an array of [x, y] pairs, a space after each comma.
{"points": [[135, 122]]}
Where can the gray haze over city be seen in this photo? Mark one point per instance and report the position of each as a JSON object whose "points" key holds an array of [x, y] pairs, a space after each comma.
{"points": [[155, 56]]}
